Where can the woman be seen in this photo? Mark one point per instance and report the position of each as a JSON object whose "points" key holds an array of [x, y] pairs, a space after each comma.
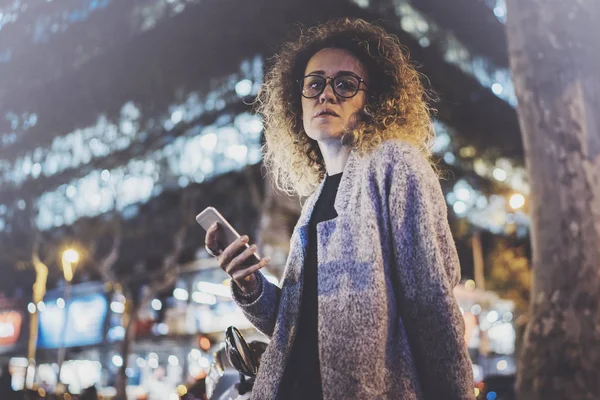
{"points": [[365, 309]]}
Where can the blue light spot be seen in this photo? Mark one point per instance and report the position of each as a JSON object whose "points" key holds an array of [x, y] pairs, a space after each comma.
{"points": [[491, 396]]}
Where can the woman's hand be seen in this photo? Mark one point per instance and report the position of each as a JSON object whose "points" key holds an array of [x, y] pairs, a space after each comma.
{"points": [[237, 260]]}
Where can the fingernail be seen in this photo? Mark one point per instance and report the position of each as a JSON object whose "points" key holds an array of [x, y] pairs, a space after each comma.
{"points": [[253, 247], [244, 238], [267, 259]]}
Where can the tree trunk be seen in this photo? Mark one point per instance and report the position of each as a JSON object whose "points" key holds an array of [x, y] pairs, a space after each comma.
{"points": [[555, 59], [129, 318]]}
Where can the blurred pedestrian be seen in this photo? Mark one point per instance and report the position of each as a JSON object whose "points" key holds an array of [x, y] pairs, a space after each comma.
{"points": [[366, 308]]}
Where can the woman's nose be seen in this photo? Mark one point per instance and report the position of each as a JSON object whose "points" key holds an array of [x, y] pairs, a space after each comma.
{"points": [[328, 94]]}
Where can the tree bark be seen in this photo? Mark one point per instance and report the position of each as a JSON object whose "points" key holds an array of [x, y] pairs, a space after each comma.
{"points": [[555, 58], [129, 318], [39, 291]]}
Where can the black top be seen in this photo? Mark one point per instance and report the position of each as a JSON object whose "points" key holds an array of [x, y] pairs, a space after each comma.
{"points": [[302, 377]]}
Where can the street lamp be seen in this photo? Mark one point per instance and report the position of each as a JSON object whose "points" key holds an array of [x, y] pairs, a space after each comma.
{"points": [[70, 259]]}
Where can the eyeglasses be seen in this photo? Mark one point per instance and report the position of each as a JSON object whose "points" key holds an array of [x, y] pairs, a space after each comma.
{"points": [[345, 85]]}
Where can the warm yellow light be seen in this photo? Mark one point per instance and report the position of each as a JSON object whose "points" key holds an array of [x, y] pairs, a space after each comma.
{"points": [[71, 255], [517, 201], [468, 152], [476, 392], [470, 284], [181, 390], [70, 258]]}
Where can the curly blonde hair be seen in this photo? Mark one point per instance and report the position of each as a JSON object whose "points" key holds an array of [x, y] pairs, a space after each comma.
{"points": [[397, 104]]}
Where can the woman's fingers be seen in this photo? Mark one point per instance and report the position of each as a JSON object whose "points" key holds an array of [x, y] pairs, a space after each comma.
{"points": [[241, 261], [231, 252], [235, 258], [242, 274], [212, 238]]}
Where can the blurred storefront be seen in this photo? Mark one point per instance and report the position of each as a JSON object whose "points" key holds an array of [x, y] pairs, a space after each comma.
{"points": [[489, 330], [14, 328], [77, 324]]}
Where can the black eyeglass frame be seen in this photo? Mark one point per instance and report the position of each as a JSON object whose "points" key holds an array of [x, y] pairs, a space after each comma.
{"points": [[329, 81]]}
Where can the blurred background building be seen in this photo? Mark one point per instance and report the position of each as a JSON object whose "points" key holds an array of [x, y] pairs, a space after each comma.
{"points": [[119, 120]]}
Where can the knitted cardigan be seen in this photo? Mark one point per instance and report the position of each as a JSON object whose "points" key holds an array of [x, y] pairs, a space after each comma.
{"points": [[388, 323]]}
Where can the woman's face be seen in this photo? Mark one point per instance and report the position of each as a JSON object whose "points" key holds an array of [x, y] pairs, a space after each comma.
{"points": [[331, 62]]}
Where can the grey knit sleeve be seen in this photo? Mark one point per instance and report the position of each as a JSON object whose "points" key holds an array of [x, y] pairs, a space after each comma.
{"points": [[260, 306], [427, 269]]}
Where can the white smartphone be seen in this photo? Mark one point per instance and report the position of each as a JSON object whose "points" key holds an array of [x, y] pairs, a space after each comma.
{"points": [[209, 216]]}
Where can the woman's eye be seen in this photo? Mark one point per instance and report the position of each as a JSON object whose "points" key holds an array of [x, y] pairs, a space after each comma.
{"points": [[348, 84]]}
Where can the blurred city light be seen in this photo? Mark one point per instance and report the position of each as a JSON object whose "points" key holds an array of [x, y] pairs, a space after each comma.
{"points": [[162, 328], [214, 288], [60, 302], [180, 294], [441, 143], [243, 87], [195, 354], [449, 158], [463, 194], [116, 333], [517, 201], [499, 174], [208, 141], [481, 203], [153, 360], [31, 308], [176, 116], [181, 390], [492, 316], [173, 360], [204, 343], [502, 364], [497, 88], [459, 207], [204, 298], [156, 305], [70, 258], [117, 307], [468, 152], [117, 360], [470, 284]]}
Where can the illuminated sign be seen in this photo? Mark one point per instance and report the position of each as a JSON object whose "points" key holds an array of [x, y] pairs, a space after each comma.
{"points": [[84, 326], [10, 327]]}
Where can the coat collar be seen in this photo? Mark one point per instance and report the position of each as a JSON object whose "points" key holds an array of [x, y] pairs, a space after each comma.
{"points": [[343, 194]]}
